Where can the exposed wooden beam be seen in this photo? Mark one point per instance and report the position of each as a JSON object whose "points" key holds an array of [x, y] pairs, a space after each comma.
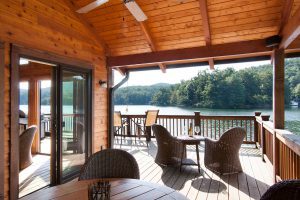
{"points": [[211, 64], [205, 21], [291, 30], [285, 13], [221, 51], [206, 28], [162, 67], [151, 43], [88, 26]]}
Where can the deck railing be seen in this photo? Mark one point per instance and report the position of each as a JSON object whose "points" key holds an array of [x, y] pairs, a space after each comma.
{"points": [[210, 126], [280, 149], [68, 122]]}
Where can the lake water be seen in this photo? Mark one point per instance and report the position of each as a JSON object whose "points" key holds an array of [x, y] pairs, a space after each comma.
{"points": [[292, 115]]}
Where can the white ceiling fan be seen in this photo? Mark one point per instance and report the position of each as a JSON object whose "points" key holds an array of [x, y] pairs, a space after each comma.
{"points": [[131, 5]]}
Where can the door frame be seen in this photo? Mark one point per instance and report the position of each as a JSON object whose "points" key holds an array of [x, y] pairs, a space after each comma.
{"points": [[88, 119], [2, 85], [16, 52]]}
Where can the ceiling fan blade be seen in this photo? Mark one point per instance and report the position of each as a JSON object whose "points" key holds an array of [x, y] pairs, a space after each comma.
{"points": [[91, 6], [135, 10]]}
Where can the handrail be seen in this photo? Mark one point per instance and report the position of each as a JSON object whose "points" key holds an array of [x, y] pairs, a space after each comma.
{"points": [[280, 148], [212, 126]]}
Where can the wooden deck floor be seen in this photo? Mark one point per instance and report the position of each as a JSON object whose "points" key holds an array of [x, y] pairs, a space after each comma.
{"points": [[36, 176], [250, 184]]}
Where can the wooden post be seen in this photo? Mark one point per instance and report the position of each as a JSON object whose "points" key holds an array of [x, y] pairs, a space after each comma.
{"points": [[197, 120], [278, 103], [263, 138], [256, 114], [34, 111]]}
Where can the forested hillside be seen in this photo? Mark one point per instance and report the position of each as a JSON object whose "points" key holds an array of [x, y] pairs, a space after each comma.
{"points": [[251, 87]]}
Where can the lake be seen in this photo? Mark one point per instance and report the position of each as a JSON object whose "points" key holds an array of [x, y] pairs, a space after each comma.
{"points": [[292, 114]]}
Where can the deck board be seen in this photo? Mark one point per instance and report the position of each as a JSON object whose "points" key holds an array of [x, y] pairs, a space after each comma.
{"points": [[250, 184]]}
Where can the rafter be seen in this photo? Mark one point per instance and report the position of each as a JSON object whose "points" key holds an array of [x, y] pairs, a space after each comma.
{"points": [[220, 51], [205, 21], [291, 30], [285, 13], [151, 43], [206, 28], [88, 27]]}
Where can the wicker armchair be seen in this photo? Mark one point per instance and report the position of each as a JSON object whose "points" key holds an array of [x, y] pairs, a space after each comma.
{"points": [[110, 163], [288, 189], [26, 139], [222, 156], [169, 150]]}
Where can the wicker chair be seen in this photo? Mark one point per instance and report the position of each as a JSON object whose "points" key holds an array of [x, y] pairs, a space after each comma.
{"points": [[110, 163], [288, 189], [25, 140], [222, 156], [169, 150]]}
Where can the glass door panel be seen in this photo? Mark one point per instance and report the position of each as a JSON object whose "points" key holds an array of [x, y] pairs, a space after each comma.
{"points": [[74, 126]]}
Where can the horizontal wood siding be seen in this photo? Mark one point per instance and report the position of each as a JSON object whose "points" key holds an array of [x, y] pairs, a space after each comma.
{"points": [[52, 27]]}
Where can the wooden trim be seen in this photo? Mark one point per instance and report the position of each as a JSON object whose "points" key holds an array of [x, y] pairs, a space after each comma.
{"points": [[291, 30], [14, 121], [221, 51], [285, 13], [2, 85], [45, 56]]}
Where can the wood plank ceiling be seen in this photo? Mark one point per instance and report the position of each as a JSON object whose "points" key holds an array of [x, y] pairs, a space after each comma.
{"points": [[178, 24]]}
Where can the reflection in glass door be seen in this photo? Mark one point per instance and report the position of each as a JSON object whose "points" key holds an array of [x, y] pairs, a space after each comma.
{"points": [[74, 99]]}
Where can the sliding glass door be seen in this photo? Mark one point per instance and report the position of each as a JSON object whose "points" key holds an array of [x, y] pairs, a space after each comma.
{"points": [[74, 116]]}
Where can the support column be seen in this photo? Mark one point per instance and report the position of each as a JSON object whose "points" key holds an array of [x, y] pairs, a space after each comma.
{"points": [[256, 114], [278, 89], [34, 112], [278, 103]]}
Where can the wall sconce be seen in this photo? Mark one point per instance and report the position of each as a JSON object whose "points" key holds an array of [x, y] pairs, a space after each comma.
{"points": [[103, 84]]}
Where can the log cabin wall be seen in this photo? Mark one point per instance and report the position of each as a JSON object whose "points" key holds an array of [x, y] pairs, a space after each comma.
{"points": [[51, 26]]}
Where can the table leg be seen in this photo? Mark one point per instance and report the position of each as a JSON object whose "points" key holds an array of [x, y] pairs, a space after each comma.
{"points": [[197, 152], [182, 155]]}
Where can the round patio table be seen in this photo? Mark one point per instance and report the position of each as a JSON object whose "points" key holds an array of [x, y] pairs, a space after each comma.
{"points": [[120, 189]]}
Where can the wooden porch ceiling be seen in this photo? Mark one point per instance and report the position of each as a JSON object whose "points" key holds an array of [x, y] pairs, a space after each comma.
{"points": [[174, 25]]}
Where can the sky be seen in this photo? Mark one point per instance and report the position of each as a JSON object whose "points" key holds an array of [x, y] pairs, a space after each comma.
{"points": [[173, 76]]}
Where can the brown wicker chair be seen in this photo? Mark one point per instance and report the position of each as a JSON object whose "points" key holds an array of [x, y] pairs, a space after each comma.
{"points": [[168, 148], [25, 143], [222, 156], [110, 163], [288, 189]]}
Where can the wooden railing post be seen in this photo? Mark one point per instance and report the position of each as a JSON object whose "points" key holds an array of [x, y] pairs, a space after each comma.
{"points": [[128, 127], [256, 114], [263, 138], [197, 120]]}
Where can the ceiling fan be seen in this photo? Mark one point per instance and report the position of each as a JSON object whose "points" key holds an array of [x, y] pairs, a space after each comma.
{"points": [[131, 5]]}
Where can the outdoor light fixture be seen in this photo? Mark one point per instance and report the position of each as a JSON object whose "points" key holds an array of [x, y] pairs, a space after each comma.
{"points": [[135, 10], [103, 84], [91, 6]]}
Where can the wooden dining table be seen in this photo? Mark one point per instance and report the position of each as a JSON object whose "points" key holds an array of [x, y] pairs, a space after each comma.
{"points": [[120, 189]]}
